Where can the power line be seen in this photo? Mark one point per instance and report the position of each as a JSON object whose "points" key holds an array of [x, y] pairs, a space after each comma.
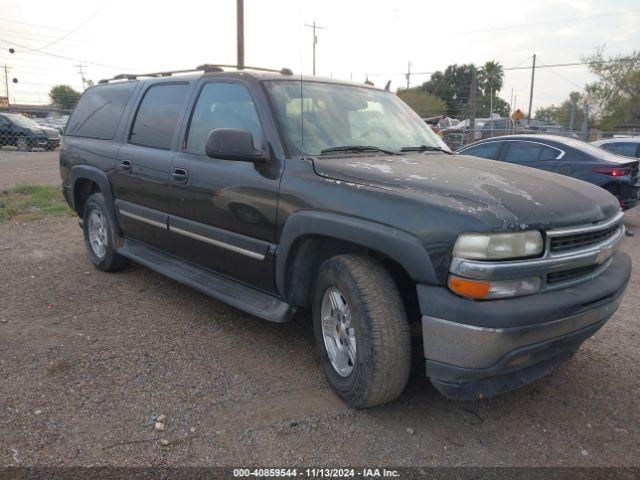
{"points": [[33, 25], [562, 77], [46, 38], [38, 52], [76, 28], [525, 67], [547, 22]]}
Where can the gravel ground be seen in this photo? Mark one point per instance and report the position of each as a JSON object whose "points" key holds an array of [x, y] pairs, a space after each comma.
{"points": [[87, 358], [20, 168]]}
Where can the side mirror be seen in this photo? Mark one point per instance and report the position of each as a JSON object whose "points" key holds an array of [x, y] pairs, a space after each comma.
{"points": [[233, 144]]}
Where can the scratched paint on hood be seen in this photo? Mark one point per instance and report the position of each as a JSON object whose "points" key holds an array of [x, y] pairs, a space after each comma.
{"points": [[517, 197]]}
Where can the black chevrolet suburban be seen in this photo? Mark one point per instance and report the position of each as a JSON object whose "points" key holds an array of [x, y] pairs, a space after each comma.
{"points": [[273, 192]]}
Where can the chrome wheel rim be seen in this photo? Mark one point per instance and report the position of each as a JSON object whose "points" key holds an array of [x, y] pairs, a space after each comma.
{"points": [[338, 332], [97, 233]]}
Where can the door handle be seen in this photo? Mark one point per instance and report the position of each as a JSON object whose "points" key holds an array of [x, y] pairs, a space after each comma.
{"points": [[180, 175], [125, 165]]}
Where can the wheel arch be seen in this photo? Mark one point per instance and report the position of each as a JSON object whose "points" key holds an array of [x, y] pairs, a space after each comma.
{"points": [[86, 180], [310, 237]]}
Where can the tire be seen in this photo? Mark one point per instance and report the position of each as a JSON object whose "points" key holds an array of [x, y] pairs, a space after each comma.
{"points": [[23, 144], [382, 350], [102, 245]]}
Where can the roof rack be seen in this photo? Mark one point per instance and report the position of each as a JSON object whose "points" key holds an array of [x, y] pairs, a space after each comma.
{"points": [[205, 67]]}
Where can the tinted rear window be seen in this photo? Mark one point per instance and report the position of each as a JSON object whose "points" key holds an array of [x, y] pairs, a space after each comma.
{"points": [[489, 150], [99, 110], [158, 115], [627, 149], [518, 152]]}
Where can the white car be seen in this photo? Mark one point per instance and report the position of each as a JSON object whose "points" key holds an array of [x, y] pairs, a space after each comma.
{"points": [[626, 146]]}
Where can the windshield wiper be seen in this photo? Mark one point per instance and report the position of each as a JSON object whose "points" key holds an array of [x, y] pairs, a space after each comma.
{"points": [[356, 148], [425, 148]]}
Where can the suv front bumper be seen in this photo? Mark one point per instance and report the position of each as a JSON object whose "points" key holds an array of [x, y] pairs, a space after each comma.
{"points": [[476, 349]]}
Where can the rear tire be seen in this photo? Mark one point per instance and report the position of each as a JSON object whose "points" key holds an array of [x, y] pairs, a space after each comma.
{"points": [[100, 235], [374, 334]]}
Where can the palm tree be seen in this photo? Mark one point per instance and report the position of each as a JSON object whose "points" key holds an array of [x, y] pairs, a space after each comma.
{"points": [[491, 77]]}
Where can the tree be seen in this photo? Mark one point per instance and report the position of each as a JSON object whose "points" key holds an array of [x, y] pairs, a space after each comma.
{"points": [[547, 114], [561, 114], [64, 96], [485, 105], [491, 78], [452, 86], [423, 103], [615, 97]]}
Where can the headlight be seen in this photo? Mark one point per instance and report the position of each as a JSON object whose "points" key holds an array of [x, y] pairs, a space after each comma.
{"points": [[498, 246]]}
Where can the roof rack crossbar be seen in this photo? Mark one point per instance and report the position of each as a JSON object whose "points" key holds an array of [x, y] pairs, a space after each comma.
{"points": [[205, 67]]}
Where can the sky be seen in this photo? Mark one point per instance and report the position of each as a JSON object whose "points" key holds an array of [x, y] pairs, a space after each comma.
{"points": [[359, 39]]}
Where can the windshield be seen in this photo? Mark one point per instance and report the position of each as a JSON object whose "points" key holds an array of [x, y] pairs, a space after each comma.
{"points": [[22, 121], [320, 116]]}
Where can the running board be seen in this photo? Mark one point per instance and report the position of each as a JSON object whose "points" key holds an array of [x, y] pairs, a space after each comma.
{"points": [[211, 284]]}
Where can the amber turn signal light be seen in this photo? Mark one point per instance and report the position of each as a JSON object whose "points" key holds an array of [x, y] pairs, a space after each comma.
{"points": [[469, 288]]}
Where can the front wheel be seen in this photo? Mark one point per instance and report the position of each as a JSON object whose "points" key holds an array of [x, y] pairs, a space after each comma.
{"points": [[361, 330], [23, 144]]}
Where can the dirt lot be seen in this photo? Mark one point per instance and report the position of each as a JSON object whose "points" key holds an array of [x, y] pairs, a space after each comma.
{"points": [[20, 168], [87, 358]]}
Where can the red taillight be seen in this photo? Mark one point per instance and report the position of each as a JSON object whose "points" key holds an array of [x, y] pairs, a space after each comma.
{"points": [[613, 171]]}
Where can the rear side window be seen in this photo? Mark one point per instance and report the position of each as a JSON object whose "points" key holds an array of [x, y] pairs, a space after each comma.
{"points": [[623, 148], [488, 150], [99, 110], [522, 152], [158, 115]]}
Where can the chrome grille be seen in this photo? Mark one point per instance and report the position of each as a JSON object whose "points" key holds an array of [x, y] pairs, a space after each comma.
{"points": [[580, 240]]}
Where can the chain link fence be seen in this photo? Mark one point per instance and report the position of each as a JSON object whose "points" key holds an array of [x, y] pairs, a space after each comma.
{"points": [[25, 131], [459, 135]]}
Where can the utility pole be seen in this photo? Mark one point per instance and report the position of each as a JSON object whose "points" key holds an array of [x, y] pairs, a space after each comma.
{"points": [[572, 115], [585, 123], [81, 72], [533, 73], [240, 32], [315, 41], [6, 84], [472, 105], [512, 109], [408, 75]]}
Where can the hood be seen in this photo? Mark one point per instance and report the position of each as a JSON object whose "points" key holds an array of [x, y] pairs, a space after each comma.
{"points": [[505, 196]]}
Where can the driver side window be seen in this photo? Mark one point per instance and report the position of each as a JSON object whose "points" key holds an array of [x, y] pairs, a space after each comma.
{"points": [[222, 105]]}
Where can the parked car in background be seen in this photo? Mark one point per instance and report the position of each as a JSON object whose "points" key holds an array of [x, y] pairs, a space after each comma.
{"points": [[49, 122], [566, 156], [484, 128], [626, 146], [22, 132]]}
